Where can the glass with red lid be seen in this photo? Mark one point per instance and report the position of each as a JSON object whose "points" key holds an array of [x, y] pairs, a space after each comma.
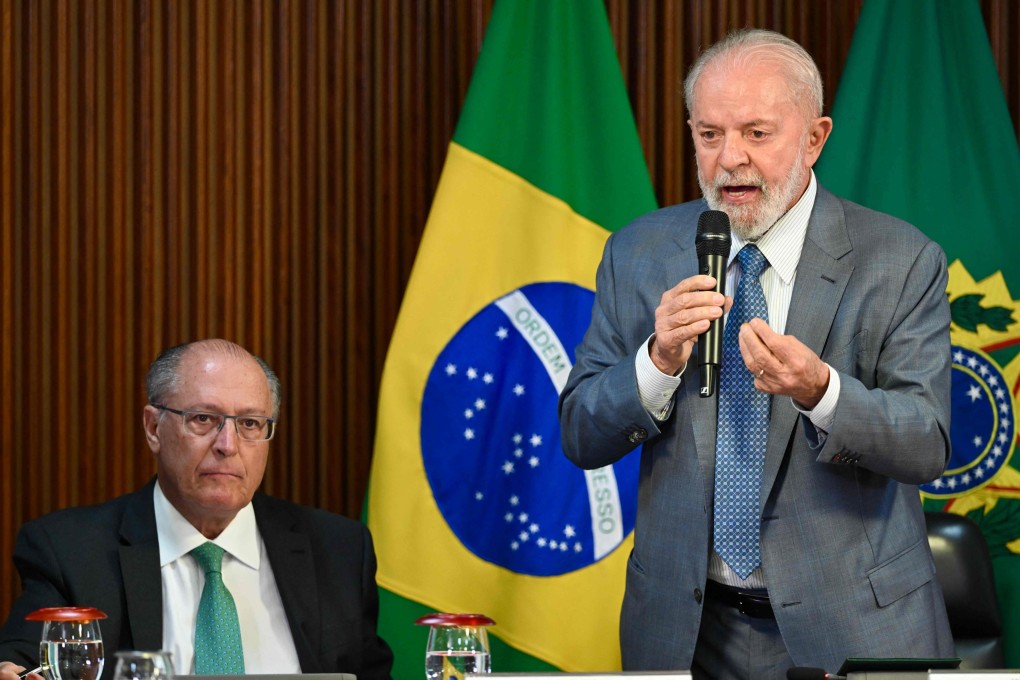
{"points": [[457, 644], [72, 644]]}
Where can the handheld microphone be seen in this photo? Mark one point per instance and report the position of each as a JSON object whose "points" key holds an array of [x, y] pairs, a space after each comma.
{"points": [[807, 673], [713, 246]]}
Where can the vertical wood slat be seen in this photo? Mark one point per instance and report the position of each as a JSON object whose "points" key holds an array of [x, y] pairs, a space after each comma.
{"points": [[1002, 18], [89, 363], [60, 325], [41, 89], [262, 170], [153, 150], [331, 471], [10, 359]]}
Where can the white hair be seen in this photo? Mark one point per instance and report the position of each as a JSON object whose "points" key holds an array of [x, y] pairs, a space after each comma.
{"points": [[754, 45]]}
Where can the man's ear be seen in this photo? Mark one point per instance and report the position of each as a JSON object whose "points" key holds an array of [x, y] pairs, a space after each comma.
{"points": [[150, 421], [818, 133]]}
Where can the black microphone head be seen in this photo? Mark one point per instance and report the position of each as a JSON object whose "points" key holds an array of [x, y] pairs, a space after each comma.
{"points": [[713, 237], [806, 673]]}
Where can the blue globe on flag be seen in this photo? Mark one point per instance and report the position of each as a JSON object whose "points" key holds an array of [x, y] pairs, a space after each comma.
{"points": [[982, 429], [490, 439]]}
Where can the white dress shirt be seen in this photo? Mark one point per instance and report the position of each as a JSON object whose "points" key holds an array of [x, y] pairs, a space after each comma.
{"points": [[781, 246], [265, 632]]}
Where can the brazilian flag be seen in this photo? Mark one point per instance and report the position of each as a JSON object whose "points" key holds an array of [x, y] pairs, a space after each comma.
{"points": [[922, 131], [472, 504]]}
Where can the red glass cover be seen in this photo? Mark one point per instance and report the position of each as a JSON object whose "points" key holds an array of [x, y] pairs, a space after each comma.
{"points": [[66, 614], [455, 620]]}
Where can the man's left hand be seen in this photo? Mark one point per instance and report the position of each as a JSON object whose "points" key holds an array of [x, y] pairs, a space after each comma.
{"points": [[782, 364]]}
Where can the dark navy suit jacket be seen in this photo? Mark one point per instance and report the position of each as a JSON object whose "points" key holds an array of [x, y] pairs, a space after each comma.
{"points": [[107, 556]]}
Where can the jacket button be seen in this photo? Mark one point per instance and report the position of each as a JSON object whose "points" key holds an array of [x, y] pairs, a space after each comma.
{"points": [[697, 595], [638, 435]]}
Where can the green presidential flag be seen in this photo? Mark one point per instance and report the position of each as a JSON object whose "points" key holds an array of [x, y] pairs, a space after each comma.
{"points": [[472, 504], [922, 131]]}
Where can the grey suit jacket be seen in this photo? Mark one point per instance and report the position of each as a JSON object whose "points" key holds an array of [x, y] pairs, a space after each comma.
{"points": [[844, 547], [107, 556]]}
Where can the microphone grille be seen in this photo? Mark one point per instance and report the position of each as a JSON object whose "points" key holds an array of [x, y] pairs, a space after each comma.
{"points": [[713, 237]]}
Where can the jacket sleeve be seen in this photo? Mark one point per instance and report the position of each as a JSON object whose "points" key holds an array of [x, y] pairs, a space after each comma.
{"points": [[41, 586], [893, 418], [601, 415], [376, 654]]}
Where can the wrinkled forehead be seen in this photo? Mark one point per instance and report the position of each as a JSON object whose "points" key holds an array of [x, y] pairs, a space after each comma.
{"points": [[749, 93], [757, 68]]}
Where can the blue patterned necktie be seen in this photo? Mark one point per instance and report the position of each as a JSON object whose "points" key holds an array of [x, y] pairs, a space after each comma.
{"points": [[218, 649], [743, 429]]}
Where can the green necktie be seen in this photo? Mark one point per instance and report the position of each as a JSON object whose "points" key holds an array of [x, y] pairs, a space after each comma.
{"points": [[218, 648]]}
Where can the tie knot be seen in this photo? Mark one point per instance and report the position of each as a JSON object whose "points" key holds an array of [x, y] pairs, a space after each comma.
{"points": [[752, 262], [209, 556]]}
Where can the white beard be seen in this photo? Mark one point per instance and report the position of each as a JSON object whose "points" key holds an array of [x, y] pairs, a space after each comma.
{"points": [[752, 220]]}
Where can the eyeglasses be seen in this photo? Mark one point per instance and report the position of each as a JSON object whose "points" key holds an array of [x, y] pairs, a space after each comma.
{"points": [[201, 424]]}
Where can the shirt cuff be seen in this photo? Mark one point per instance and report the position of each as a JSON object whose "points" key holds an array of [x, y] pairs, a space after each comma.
{"points": [[655, 387], [824, 412]]}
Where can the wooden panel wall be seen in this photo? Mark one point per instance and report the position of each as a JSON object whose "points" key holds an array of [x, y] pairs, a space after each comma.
{"points": [[262, 170]]}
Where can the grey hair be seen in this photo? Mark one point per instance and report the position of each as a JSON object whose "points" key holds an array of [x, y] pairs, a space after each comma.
{"points": [[755, 44], [163, 378]]}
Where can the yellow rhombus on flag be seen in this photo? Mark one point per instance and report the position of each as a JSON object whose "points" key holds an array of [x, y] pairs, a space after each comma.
{"points": [[472, 505]]}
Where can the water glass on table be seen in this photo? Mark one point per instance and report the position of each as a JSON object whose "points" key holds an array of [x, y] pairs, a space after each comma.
{"points": [[71, 647], [137, 665], [457, 644]]}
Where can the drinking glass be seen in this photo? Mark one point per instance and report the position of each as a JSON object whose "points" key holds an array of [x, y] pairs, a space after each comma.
{"points": [[457, 644], [72, 644], [135, 665]]}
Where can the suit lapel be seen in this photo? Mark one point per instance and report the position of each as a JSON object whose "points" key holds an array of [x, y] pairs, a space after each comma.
{"points": [[822, 276], [139, 566], [290, 555], [705, 421]]}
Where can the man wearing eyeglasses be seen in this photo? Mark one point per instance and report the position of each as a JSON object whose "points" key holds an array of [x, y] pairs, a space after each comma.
{"points": [[298, 584]]}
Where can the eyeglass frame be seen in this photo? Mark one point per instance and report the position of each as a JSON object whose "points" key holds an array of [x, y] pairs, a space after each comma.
{"points": [[186, 412]]}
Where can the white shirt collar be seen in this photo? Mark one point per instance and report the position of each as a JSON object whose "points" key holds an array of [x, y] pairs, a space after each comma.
{"points": [[782, 244], [177, 536]]}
